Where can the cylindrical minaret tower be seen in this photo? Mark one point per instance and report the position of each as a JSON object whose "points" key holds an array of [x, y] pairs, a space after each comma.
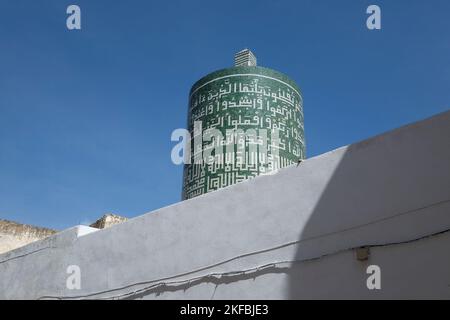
{"points": [[253, 114]]}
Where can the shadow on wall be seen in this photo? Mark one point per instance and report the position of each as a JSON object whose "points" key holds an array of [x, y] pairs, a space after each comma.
{"points": [[379, 191]]}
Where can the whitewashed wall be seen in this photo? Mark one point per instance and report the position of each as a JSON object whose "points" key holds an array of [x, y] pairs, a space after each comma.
{"points": [[294, 232]]}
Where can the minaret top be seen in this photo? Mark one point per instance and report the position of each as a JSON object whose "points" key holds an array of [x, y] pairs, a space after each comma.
{"points": [[244, 58]]}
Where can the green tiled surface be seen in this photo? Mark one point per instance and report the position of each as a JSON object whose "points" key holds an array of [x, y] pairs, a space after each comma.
{"points": [[244, 98]]}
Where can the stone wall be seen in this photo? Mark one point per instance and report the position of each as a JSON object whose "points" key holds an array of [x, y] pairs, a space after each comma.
{"points": [[107, 221], [14, 235]]}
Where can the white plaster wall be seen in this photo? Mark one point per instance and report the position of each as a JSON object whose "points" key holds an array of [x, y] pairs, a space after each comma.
{"points": [[391, 188]]}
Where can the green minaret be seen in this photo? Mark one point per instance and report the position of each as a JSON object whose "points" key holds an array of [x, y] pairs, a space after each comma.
{"points": [[262, 103]]}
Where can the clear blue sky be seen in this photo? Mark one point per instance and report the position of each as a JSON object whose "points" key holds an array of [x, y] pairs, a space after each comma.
{"points": [[86, 116]]}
